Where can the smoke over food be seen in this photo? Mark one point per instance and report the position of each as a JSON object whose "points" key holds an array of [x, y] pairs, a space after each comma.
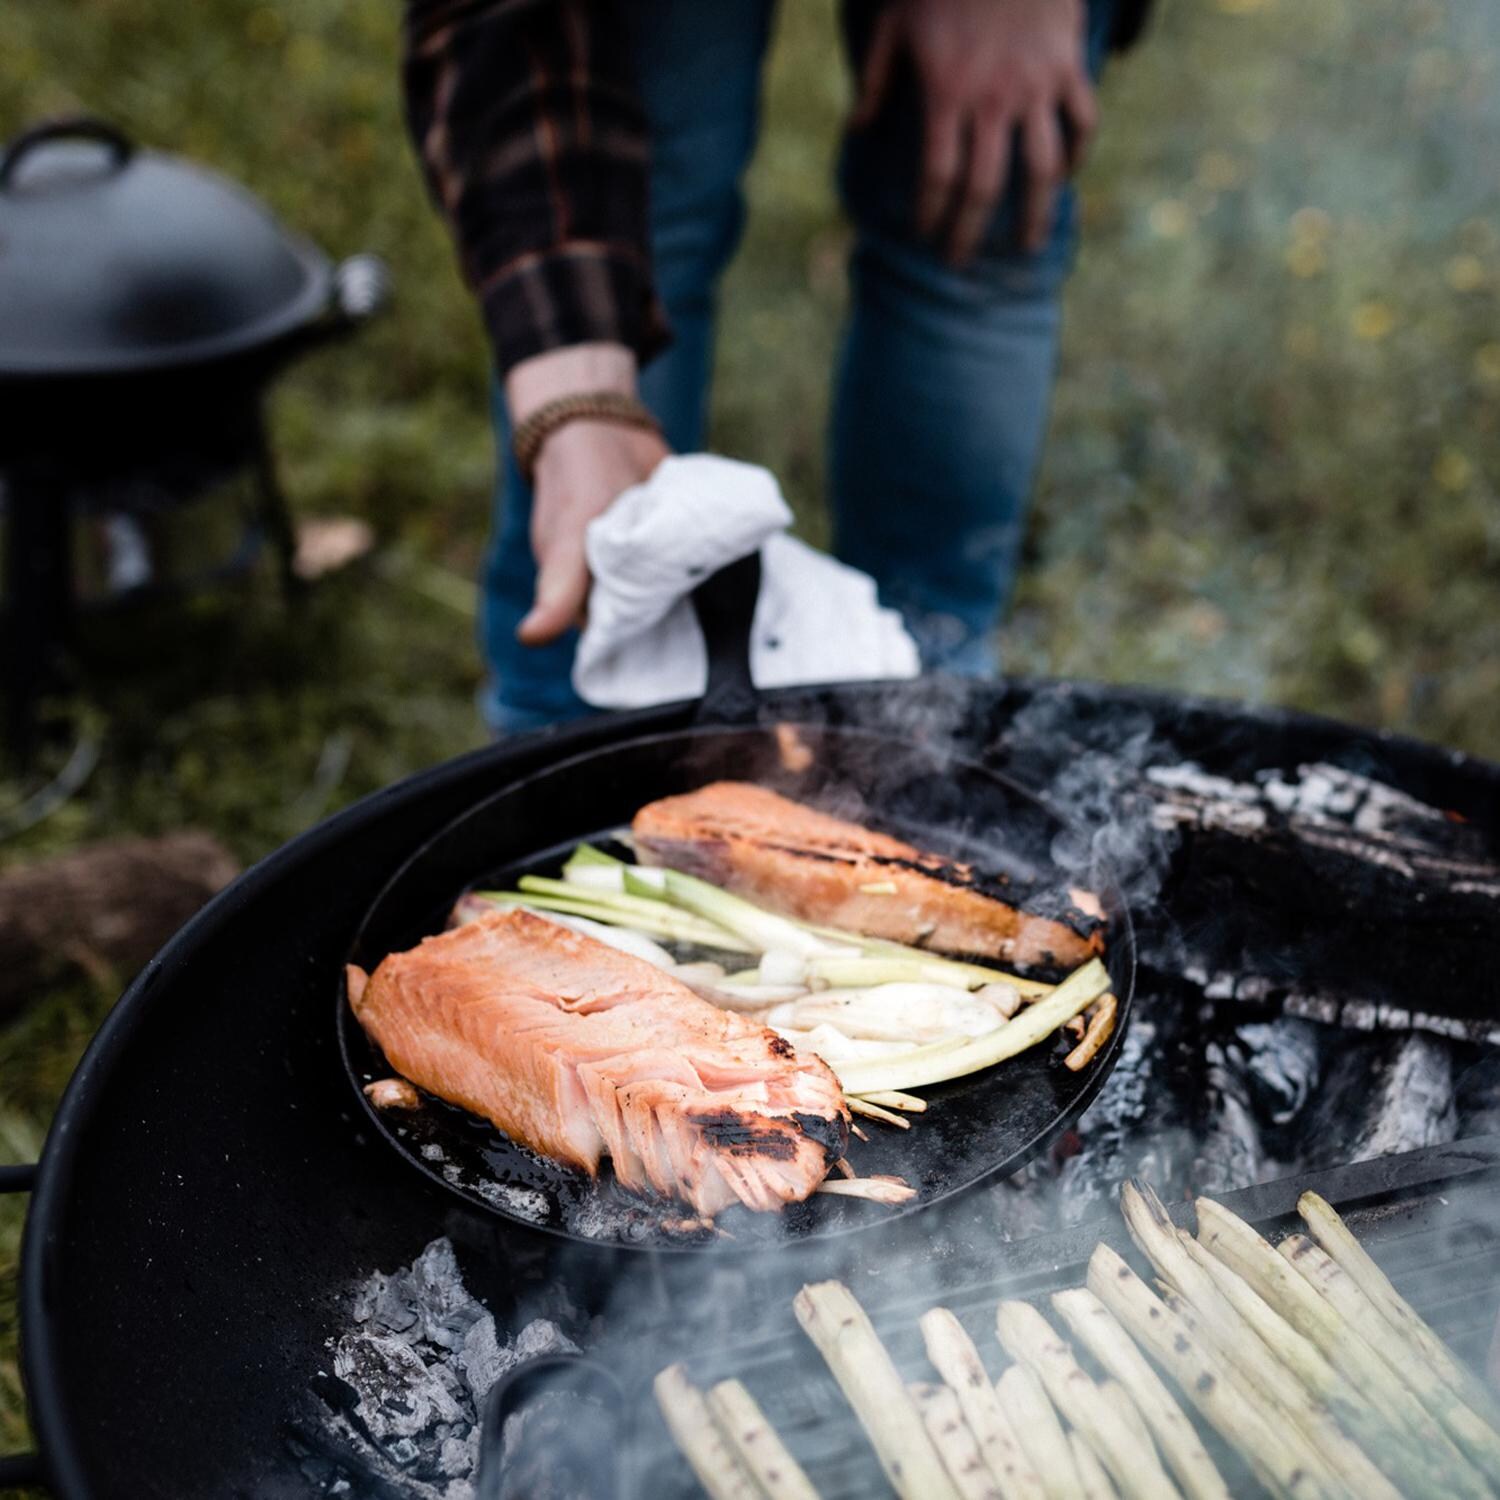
{"points": [[1275, 1044]]}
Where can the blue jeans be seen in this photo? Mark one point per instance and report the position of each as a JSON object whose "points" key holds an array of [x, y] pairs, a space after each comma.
{"points": [[943, 382]]}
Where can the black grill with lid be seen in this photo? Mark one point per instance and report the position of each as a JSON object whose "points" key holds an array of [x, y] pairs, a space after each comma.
{"points": [[145, 303]]}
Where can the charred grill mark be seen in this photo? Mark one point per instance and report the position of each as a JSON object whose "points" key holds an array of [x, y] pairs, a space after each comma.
{"points": [[780, 1047], [831, 1135], [745, 1134]]}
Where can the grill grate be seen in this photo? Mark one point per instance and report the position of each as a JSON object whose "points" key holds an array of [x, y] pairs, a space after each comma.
{"points": [[1431, 1218]]}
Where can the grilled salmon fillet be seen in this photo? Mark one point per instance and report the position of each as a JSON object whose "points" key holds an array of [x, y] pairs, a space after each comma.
{"points": [[807, 864], [581, 1052]]}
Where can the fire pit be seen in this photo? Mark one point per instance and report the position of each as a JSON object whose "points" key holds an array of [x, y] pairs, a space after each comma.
{"points": [[217, 1245]]}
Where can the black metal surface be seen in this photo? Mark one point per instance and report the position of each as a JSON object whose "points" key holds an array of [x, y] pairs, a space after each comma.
{"points": [[21, 1179], [587, 1452], [1428, 1218], [120, 260], [977, 1127], [209, 1194]]}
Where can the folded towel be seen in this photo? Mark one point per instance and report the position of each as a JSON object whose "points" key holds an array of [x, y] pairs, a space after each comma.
{"points": [[816, 620]]}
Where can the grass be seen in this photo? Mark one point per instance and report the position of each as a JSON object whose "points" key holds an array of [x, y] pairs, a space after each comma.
{"points": [[1271, 470]]}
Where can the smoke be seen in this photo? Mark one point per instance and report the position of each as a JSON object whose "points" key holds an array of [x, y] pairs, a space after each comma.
{"points": [[1217, 1087]]}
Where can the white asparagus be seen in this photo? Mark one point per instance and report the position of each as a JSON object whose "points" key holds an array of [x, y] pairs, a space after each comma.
{"points": [[1255, 1350], [1098, 1330], [1121, 1447], [695, 1432], [666, 923], [1201, 1377], [832, 1318], [956, 971], [942, 1061], [955, 1358], [1126, 1409], [1333, 1235], [1475, 1438], [763, 929], [895, 1099], [1039, 1431], [862, 1106], [888, 1190], [1099, 1030], [758, 1444], [1365, 1437], [1298, 1423], [1233, 1241], [913, 1013], [1093, 1481], [954, 1441], [832, 1045]]}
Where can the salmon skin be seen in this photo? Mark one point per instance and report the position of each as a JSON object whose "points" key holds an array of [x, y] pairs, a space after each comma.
{"points": [[808, 864], [580, 1052]]}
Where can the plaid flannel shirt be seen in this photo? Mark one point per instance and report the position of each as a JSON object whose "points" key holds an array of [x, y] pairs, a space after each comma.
{"points": [[527, 121], [534, 143]]}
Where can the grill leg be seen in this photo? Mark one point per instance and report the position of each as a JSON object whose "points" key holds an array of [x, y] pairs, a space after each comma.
{"points": [[39, 602], [275, 515]]}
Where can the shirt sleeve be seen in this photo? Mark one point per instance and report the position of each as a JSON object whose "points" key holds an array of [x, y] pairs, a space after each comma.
{"points": [[534, 143]]}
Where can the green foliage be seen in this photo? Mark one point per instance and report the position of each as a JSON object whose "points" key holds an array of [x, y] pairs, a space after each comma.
{"points": [[1271, 471]]}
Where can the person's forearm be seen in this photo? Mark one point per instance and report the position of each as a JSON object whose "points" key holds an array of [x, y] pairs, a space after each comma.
{"points": [[577, 370]]}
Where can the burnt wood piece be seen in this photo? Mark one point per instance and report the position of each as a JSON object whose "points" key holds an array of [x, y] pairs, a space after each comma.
{"points": [[102, 909], [1326, 887]]}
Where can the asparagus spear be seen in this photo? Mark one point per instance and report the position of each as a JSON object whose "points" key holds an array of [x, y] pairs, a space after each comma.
{"points": [[1097, 1329], [692, 1426], [1374, 1439], [953, 1439], [924, 1065], [667, 923], [1039, 1432], [837, 1324], [757, 1444], [1234, 1242], [1266, 1366], [1333, 1235], [1129, 1457], [1093, 1481], [1273, 1453], [1479, 1443], [955, 1358]]}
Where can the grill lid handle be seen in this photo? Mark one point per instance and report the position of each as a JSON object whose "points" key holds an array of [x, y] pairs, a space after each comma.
{"points": [[77, 127], [725, 606]]}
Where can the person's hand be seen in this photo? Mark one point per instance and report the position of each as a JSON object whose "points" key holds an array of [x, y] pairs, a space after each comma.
{"points": [[580, 469], [986, 69]]}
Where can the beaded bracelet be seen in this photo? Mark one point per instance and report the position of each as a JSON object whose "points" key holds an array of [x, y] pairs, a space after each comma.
{"points": [[595, 406]]}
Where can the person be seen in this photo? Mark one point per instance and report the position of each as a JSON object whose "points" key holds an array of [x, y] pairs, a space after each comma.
{"points": [[588, 155]]}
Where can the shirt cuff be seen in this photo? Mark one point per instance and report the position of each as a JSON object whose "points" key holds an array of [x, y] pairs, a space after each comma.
{"points": [[575, 293]]}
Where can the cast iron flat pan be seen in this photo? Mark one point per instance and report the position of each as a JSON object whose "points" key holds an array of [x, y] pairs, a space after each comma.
{"points": [[978, 1127]]}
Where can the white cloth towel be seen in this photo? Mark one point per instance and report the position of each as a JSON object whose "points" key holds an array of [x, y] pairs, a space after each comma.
{"points": [[816, 620]]}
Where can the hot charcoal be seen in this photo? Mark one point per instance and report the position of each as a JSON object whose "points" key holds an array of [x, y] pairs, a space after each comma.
{"points": [[409, 1378]]}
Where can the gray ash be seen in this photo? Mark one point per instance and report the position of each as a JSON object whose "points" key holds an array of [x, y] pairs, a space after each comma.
{"points": [[397, 1412]]}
